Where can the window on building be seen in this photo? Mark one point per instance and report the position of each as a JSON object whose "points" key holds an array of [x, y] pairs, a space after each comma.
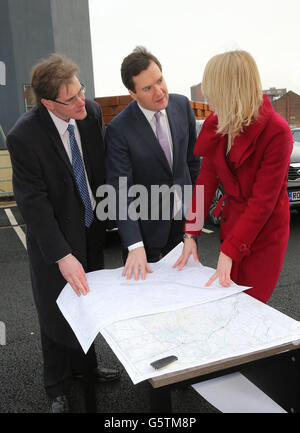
{"points": [[29, 97]]}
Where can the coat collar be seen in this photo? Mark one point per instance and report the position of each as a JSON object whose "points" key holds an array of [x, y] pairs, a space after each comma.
{"points": [[244, 144], [209, 142]]}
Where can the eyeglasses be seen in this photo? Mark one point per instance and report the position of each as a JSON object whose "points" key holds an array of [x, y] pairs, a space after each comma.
{"points": [[71, 101]]}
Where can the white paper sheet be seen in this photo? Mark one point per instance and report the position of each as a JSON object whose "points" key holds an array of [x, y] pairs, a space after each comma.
{"points": [[113, 298], [234, 393]]}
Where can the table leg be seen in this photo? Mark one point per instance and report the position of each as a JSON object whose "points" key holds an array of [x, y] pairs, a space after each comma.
{"points": [[160, 399], [279, 378], [89, 393]]}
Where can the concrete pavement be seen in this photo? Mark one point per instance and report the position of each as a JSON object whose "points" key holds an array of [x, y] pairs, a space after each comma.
{"points": [[20, 359]]}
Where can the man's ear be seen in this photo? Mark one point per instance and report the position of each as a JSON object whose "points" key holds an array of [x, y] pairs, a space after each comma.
{"points": [[48, 104], [132, 94]]}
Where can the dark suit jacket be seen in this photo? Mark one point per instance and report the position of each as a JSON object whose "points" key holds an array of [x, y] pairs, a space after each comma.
{"points": [[134, 152], [49, 201]]}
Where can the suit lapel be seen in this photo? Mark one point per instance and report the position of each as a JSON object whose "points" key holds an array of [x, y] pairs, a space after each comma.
{"points": [[144, 129], [54, 136], [173, 123], [55, 139], [83, 127]]}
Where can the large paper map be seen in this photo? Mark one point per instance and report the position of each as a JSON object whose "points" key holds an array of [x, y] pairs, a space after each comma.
{"points": [[113, 297], [172, 313], [199, 335]]}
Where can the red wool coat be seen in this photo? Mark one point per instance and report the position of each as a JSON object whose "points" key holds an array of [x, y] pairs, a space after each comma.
{"points": [[254, 228]]}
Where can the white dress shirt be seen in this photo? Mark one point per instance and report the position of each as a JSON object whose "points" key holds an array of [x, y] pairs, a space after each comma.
{"points": [[62, 128]]}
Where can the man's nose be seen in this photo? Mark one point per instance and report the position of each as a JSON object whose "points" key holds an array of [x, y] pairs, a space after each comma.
{"points": [[158, 90], [80, 100]]}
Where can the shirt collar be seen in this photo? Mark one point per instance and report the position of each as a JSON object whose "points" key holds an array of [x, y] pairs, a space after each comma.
{"points": [[61, 125], [150, 114]]}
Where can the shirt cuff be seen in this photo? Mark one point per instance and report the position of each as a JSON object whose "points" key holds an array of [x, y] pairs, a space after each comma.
{"points": [[57, 261], [136, 245]]}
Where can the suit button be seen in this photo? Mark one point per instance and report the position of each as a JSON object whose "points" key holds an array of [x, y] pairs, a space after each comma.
{"points": [[243, 247], [224, 219], [67, 219]]}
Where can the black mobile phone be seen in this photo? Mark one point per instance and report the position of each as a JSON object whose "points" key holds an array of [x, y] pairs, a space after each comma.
{"points": [[159, 363]]}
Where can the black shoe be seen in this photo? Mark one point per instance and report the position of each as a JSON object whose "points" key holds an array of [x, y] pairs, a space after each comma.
{"points": [[103, 375], [60, 404]]}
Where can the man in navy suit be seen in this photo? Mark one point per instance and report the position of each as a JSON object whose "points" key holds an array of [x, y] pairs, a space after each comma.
{"points": [[150, 145]]}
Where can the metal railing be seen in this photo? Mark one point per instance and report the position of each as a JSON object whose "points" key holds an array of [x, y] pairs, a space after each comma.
{"points": [[6, 189], [5, 177]]}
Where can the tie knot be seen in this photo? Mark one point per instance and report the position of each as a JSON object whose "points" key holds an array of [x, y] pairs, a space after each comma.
{"points": [[157, 116], [70, 128]]}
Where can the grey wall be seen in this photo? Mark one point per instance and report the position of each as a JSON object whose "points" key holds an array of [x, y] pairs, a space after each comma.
{"points": [[8, 93], [31, 30], [72, 37]]}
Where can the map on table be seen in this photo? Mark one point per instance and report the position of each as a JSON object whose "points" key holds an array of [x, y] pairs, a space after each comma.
{"points": [[113, 297], [198, 335], [172, 313]]}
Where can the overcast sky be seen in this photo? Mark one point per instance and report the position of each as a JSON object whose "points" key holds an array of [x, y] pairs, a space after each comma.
{"points": [[185, 34]]}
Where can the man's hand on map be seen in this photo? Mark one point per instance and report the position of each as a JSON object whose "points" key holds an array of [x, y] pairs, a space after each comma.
{"points": [[190, 247], [136, 264], [73, 272], [223, 271]]}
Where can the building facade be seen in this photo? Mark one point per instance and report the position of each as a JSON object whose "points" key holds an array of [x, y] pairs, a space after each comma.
{"points": [[197, 95], [274, 93], [31, 30], [288, 106]]}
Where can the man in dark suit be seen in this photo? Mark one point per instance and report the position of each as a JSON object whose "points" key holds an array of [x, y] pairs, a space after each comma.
{"points": [[57, 153], [150, 145]]}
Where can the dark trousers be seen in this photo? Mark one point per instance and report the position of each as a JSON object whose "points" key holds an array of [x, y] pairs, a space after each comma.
{"points": [[174, 238], [61, 363]]}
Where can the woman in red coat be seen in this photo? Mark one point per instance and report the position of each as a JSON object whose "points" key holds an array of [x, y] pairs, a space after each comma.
{"points": [[245, 145]]}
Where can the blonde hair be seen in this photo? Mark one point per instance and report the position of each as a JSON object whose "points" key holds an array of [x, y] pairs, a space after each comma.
{"points": [[231, 82]]}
